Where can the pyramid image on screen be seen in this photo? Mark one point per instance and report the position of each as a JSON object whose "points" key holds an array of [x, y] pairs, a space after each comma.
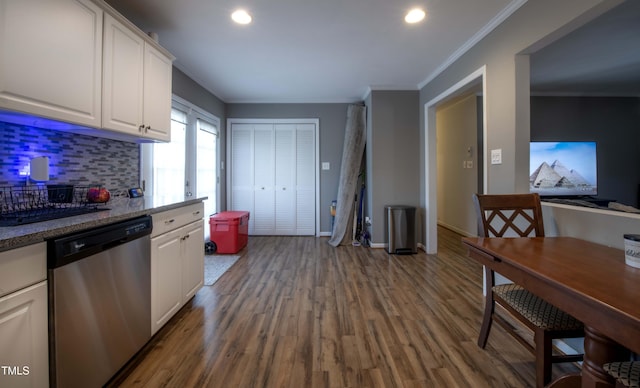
{"points": [[557, 176]]}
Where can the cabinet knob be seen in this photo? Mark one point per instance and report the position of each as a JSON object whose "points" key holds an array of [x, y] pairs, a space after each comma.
{"points": [[147, 128], [141, 128]]}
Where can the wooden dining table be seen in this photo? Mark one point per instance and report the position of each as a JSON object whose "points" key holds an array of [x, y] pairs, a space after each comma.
{"points": [[587, 280]]}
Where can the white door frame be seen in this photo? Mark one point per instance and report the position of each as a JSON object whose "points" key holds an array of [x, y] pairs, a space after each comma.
{"points": [[316, 122], [430, 157]]}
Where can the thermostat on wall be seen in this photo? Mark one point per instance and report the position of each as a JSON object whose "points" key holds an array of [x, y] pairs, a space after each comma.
{"points": [[135, 192]]}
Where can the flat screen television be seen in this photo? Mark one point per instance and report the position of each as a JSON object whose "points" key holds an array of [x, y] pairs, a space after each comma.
{"points": [[563, 169]]}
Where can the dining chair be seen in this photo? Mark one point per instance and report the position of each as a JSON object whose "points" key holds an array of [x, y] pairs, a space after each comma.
{"points": [[520, 215], [626, 373]]}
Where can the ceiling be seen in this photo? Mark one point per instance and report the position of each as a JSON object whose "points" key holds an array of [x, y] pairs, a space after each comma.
{"points": [[313, 50], [601, 58]]}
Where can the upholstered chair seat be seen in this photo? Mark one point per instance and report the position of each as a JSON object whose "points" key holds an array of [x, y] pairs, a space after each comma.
{"points": [[536, 310], [626, 373]]}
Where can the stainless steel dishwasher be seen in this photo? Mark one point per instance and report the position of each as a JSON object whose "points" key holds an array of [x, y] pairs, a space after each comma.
{"points": [[100, 301]]}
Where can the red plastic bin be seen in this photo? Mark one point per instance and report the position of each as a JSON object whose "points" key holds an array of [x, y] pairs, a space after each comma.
{"points": [[229, 230]]}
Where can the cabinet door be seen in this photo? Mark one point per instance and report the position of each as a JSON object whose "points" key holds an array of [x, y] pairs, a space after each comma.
{"points": [[24, 338], [157, 94], [192, 259], [123, 78], [166, 285], [51, 59]]}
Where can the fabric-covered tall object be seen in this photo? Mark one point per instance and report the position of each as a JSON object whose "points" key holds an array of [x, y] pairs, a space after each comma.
{"points": [[352, 151]]}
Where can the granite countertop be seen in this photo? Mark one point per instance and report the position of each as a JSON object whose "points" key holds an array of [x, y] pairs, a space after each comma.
{"points": [[120, 208]]}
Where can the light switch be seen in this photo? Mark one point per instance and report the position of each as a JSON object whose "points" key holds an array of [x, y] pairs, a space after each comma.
{"points": [[496, 156], [326, 166]]}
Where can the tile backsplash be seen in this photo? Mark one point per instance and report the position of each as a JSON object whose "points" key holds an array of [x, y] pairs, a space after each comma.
{"points": [[73, 159]]}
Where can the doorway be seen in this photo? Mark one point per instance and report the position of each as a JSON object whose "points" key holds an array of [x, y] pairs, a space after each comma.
{"points": [[471, 82]]}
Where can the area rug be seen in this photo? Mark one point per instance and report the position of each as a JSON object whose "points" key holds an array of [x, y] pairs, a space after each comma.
{"points": [[216, 265]]}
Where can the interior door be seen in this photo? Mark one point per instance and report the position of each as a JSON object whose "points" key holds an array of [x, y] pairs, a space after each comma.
{"points": [[242, 170], [264, 169], [284, 179], [273, 175], [305, 180]]}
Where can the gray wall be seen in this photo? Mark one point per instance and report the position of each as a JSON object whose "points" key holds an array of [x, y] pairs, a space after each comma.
{"points": [[392, 155], [333, 118], [613, 122], [503, 54], [457, 132]]}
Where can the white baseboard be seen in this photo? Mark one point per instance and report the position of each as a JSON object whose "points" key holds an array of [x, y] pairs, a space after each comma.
{"points": [[324, 234], [455, 229], [378, 245]]}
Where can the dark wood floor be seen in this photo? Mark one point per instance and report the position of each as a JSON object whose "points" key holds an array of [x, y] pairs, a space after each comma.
{"points": [[296, 312]]}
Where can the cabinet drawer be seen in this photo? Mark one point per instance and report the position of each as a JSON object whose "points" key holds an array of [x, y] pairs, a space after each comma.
{"points": [[22, 267], [175, 218]]}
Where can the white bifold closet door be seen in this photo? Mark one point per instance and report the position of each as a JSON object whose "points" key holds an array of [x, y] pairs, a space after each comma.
{"points": [[273, 177]]}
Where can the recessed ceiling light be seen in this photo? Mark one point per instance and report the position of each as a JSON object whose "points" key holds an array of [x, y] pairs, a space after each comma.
{"points": [[241, 17], [414, 16]]}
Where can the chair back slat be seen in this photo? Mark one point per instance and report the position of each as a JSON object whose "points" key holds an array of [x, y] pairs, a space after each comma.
{"points": [[509, 215]]}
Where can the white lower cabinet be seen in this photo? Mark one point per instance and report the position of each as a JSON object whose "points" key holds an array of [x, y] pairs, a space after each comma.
{"points": [[23, 337], [24, 355], [192, 260], [166, 287], [177, 262]]}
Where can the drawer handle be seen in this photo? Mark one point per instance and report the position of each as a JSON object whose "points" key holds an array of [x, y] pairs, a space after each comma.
{"points": [[169, 222], [196, 213]]}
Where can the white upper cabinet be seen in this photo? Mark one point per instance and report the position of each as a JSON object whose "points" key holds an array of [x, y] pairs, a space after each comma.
{"points": [[136, 95], [122, 75], [51, 59], [157, 94], [83, 64]]}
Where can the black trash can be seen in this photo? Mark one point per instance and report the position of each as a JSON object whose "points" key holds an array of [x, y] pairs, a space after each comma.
{"points": [[400, 230]]}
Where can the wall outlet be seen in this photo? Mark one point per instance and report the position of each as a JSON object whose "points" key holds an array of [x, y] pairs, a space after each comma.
{"points": [[326, 166]]}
